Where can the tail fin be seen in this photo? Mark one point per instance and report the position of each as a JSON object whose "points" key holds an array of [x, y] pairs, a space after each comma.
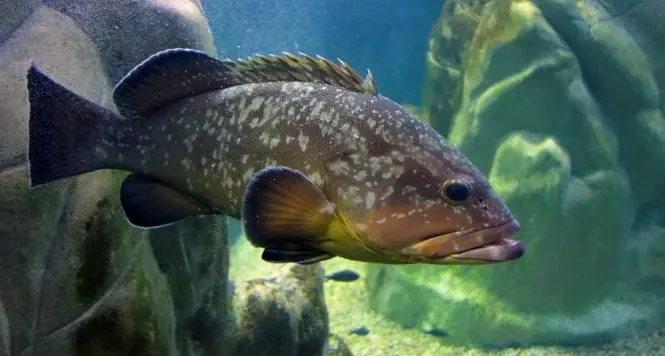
{"points": [[63, 130]]}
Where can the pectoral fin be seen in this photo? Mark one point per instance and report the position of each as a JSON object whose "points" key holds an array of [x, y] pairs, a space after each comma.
{"points": [[150, 203], [285, 213]]}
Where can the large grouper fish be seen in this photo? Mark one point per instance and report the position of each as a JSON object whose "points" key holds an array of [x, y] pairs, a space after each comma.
{"points": [[312, 159]]}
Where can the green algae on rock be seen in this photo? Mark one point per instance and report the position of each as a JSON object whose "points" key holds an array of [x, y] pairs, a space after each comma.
{"points": [[349, 305], [196, 267], [556, 102], [282, 312], [33, 220], [136, 317], [337, 346]]}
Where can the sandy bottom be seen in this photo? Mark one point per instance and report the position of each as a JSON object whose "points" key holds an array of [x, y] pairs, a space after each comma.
{"points": [[348, 309]]}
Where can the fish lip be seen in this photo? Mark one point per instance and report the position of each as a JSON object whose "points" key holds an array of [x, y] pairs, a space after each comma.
{"points": [[471, 246]]}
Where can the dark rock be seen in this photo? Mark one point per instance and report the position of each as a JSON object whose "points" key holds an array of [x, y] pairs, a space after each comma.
{"points": [[284, 314], [5, 346], [196, 267], [41, 228], [13, 13], [77, 279], [337, 346], [128, 31]]}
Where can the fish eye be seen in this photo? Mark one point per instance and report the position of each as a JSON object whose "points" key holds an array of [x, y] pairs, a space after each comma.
{"points": [[455, 192]]}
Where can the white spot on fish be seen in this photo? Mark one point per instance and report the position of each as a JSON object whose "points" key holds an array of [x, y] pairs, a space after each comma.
{"points": [[253, 106], [360, 176], [303, 141], [100, 152], [187, 163], [361, 226], [387, 194], [248, 174], [339, 167], [315, 177], [369, 200], [274, 142]]}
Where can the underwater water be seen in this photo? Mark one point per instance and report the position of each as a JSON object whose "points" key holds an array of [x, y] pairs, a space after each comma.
{"points": [[492, 188]]}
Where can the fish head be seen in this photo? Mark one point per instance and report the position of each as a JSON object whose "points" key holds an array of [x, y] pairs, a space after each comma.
{"points": [[412, 197], [455, 218]]}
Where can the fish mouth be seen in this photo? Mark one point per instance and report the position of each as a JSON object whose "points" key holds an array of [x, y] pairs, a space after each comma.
{"points": [[471, 246]]}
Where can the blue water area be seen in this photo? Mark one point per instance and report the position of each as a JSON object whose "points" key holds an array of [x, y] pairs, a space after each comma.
{"points": [[233, 229], [387, 36]]}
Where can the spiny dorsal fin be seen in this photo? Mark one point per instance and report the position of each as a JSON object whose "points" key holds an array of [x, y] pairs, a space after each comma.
{"points": [[301, 68], [175, 74]]}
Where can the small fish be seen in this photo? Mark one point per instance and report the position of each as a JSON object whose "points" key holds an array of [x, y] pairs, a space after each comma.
{"points": [[435, 332], [362, 331], [345, 275], [313, 160]]}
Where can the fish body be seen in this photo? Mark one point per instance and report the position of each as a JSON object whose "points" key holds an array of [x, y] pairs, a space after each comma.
{"points": [[345, 275], [362, 331], [309, 155], [436, 332]]}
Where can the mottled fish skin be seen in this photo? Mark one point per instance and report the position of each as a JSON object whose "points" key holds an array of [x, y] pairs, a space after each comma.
{"points": [[375, 160], [213, 143], [380, 166]]}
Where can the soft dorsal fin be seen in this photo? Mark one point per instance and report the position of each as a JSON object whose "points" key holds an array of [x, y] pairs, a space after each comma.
{"points": [[174, 74], [168, 76]]}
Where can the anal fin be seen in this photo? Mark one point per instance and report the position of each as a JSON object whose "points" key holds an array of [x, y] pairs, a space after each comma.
{"points": [[150, 203]]}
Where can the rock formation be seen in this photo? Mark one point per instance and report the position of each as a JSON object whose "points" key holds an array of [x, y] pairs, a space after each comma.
{"points": [[558, 102]]}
